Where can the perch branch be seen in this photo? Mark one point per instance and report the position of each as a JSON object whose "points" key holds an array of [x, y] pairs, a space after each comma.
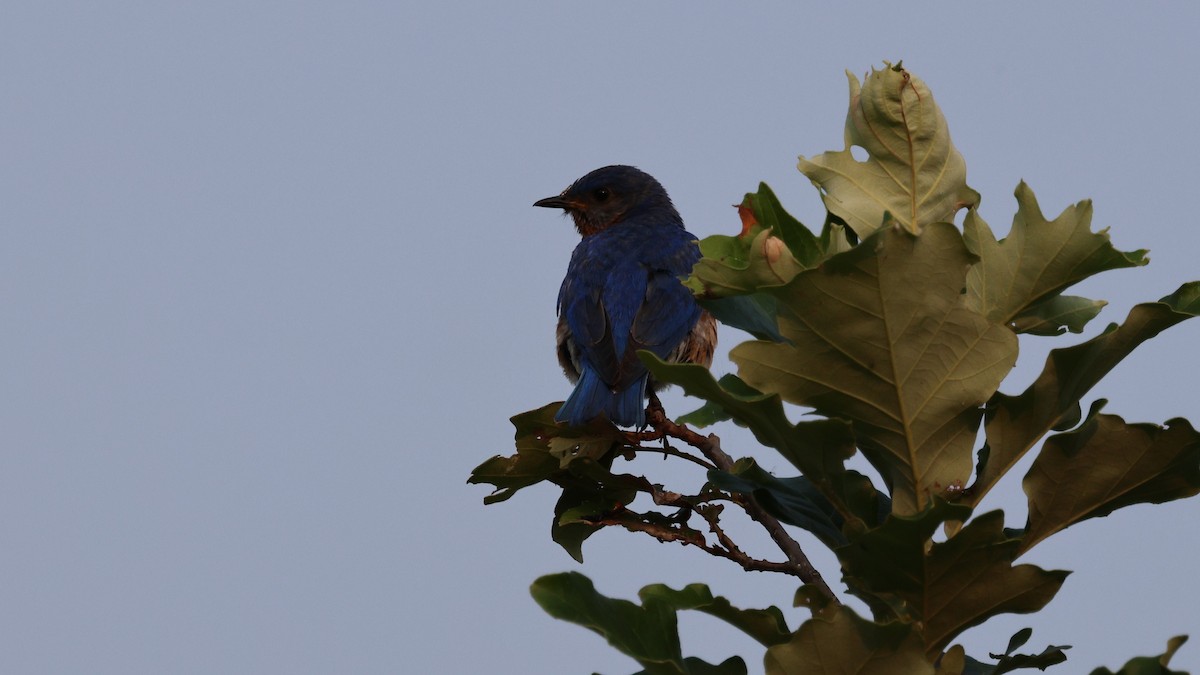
{"points": [[798, 563], [673, 452], [634, 523]]}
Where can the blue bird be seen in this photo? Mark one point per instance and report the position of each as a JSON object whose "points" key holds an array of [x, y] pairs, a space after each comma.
{"points": [[623, 292]]}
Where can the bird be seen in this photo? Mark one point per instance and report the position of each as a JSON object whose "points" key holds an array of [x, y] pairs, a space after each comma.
{"points": [[623, 292]]}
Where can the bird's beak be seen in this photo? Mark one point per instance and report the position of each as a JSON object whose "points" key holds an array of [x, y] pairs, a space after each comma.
{"points": [[555, 202]]}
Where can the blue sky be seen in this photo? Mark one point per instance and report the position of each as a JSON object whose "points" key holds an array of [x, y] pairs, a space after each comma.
{"points": [[273, 286]]}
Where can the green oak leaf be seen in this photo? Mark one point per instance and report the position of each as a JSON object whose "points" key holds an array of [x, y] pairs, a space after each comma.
{"points": [[590, 491], [742, 264], [577, 459], [839, 642], [880, 336], [1150, 665], [1036, 261], [948, 586], [754, 313], [533, 462], [1050, 656], [772, 247], [1017, 640], [711, 412], [913, 172], [818, 448], [835, 236], [1014, 424], [1057, 315], [1008, 661], [795, 501], [728, 279], [767, 626], [649, 632], [954, 661], [769, 213], [1106, 464], [733, 665], [570, 527], [544, 448], [581, 502]]}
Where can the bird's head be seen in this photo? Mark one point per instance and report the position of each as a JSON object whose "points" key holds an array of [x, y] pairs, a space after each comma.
{"points": [[608, 196]]}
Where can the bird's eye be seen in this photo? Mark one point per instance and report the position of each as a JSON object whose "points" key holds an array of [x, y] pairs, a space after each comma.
{"points": [[601, 194]]}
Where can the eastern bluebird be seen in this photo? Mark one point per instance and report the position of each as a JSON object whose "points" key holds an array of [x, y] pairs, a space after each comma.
{"points": [[623, 292]]}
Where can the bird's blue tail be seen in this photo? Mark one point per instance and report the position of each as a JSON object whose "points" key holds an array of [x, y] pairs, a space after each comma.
{"points": [[592, 397]]}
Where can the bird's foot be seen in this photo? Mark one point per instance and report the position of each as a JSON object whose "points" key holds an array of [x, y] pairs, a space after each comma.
{"points": [[655, 415]]}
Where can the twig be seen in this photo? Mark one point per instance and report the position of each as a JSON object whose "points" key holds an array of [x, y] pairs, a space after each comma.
{"points": [[634, 523], [798, 563], [674, 453], [714, 524]]}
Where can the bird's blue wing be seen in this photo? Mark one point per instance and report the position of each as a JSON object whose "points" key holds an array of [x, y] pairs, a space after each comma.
{"points": [[623, 304], [580, 304], [606, 384], [600, 317], [642, 305], [668, 311]]}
